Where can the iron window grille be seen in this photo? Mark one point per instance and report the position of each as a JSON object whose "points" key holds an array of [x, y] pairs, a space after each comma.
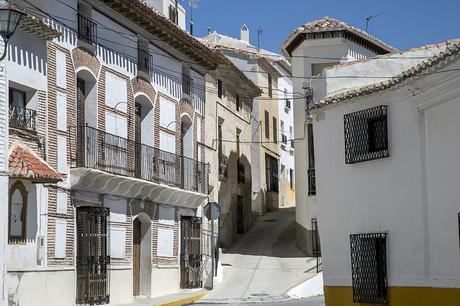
{"points": [[267, 125], [369, 268], [275, 131], [87, 30], [366, 135]]}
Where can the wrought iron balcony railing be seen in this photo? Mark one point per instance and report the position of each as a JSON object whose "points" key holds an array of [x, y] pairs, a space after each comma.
{"points": [[87, 30], [311, 181], [23, 118], [97, 149]]}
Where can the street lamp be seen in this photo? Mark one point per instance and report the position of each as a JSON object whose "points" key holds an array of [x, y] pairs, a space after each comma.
{"points": [[9, 20]]}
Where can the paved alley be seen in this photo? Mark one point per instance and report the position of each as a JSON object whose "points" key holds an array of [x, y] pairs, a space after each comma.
{"points": [[264, 263]]}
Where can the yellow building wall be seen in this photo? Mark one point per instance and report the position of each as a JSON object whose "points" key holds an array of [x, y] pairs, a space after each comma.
{"points": [[398, 296]]}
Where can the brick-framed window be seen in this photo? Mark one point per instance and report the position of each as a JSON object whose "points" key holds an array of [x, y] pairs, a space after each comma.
{"points": [[366, 135], [267, 125], [17, 213], [369, 268]]}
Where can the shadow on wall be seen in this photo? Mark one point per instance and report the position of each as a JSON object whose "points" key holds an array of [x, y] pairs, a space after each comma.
{"points": [[273, 235], [235, 200]]}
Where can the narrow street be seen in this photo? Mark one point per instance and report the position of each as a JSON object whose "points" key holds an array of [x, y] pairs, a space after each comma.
{"points": [[263, 264]]}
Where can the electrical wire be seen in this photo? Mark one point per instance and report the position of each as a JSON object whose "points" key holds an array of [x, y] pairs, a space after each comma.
{"points": [[229, 68]]}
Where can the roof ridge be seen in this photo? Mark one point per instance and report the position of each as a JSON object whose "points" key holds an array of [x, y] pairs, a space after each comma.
{"points": [[398, 78]]}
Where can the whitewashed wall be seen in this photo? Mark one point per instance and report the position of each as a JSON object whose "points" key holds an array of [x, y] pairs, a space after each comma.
{"points": [[3, 179], [412, 195]]}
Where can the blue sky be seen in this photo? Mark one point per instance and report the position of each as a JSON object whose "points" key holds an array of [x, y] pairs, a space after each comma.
{"points": [[406, 23]]}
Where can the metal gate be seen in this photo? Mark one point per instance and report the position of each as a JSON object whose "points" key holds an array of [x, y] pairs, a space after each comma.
{"points": [[92, 258], [190, 257]]}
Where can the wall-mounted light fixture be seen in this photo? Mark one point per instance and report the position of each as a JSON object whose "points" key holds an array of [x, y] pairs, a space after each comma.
{"points": [[10, 17]]}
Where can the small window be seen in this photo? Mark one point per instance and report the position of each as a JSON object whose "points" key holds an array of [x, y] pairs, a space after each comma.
{"points": [[270, 86], [369, 268], [366, 135], [267, 125], [17, 220], [275, 130], [219, 89], [238, 103]]}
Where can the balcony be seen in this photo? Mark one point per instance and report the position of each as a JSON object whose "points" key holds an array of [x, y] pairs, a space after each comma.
{"points": [[22, 118], [311, 182], [123, 157], [87, 30]]}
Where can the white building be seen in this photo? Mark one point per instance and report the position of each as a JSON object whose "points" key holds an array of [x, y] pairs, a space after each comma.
{"points": [[387, 178], [258, 65], [171, 9], [286, 134], [310, 48], [106, 161]]}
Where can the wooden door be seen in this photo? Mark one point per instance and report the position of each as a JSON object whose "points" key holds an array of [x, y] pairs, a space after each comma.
{"points": [[136, 256]]}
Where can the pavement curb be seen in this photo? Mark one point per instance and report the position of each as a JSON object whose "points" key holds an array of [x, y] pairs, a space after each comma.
{"points": [[183, 301]]}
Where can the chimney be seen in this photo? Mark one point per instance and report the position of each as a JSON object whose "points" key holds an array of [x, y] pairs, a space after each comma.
{"points": [[244, 33], [209, 30]]}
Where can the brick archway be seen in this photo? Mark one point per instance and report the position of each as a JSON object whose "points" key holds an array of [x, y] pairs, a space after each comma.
{"points": [[144, 87], [82, 58]]}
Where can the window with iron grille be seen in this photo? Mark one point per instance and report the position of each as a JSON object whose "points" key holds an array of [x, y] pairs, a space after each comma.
{"points": [[366, 135], [275, 130], [267, 125], [369, 268], [219, 89]]}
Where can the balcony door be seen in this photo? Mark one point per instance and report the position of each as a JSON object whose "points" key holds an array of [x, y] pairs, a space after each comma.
{"points": [[137, 139], [187, 152], [81, 122]]}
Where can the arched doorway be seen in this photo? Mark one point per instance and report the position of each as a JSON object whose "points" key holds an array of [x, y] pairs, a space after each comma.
{"points": [[86, 114], [143, 137], [142, 255], [187, 151]]}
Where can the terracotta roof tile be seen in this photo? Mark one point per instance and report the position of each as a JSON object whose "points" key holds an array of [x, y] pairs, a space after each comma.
{"points": [[25, 163]]}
